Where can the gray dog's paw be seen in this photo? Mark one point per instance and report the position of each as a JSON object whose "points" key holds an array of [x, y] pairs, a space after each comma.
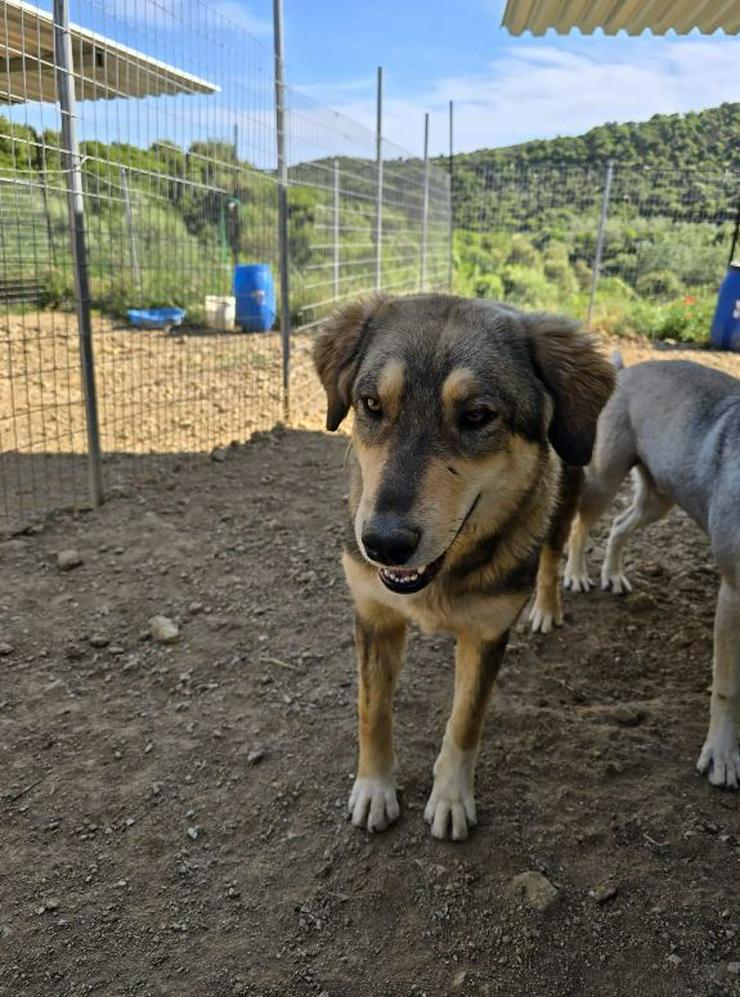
{"points": [[617, 583], [720, 762]]}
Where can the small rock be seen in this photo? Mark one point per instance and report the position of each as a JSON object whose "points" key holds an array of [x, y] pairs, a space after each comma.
{"points": [[459, 979], [256, 756], [733, 968], [99, 640], [534, 889], [653, 569], [628, 716], [67, 560], [52, 904], [675, 960], [219, 454], [640, 602], [195, 607], [5, 649], [193, 833], [163, 630], [604, 892]]}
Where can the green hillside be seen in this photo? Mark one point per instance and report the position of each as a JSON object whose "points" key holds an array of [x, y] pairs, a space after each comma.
{"points": [[526, 222], [527, 217], [707, 140]]}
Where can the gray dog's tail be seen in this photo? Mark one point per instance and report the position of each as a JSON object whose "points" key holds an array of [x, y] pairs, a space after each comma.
{"points": [[617, 360]]}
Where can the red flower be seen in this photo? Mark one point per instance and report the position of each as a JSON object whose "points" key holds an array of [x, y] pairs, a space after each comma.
{"points": [[689, 300]]}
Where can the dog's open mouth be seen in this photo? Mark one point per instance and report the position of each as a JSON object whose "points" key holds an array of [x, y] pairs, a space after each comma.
{"points": [[406, 581], [409, 580]]}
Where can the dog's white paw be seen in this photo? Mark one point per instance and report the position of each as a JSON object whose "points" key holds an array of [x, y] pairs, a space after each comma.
{"points": [[542, 620], [451, 807], [577, 581], [373, 803], [615, 582], [576, 577], [720, 758]]}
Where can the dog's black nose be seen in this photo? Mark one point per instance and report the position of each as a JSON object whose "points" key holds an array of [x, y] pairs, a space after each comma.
{"points": [[389, 540]]}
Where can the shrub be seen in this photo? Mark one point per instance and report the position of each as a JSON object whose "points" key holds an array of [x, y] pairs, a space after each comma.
{"points": [[659, 284], [523, 252], [528, 288], [557, 267]]}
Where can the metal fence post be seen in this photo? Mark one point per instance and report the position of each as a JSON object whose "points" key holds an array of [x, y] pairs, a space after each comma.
{"points": [[450, 276], [282, 195], [336, 228], [600, 238], [131, 233], [425, 207], [379, 191], [76, 207]]}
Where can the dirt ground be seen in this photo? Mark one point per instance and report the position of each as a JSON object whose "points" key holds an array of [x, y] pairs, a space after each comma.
{"points": [[173, 816]]}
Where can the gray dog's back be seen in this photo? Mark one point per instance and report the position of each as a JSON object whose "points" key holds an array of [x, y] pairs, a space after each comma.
{"points": [[681, 420]]}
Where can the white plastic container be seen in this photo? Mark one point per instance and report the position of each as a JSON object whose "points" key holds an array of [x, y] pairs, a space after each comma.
{"points": [[220, 311]]}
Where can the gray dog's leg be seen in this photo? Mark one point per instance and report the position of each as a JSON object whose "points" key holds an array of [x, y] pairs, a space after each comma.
{"points": [[600, 487], [614, 455], [648, 506], [720, 758]]}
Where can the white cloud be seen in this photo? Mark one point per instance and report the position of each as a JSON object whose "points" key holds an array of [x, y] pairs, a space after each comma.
{"points": [[539, 91]]}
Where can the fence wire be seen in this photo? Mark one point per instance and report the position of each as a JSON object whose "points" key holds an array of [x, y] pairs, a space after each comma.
{"points": [[175, 117]]}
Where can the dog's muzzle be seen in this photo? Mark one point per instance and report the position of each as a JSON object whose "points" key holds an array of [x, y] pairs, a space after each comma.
{"points": [[406, 581]]}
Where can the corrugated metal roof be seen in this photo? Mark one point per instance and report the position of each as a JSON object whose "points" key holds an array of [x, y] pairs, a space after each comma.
{"points": [[631, 16], [103, 68]]}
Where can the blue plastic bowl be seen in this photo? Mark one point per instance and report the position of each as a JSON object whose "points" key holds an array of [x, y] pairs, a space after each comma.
{"points": [[156, 318]]}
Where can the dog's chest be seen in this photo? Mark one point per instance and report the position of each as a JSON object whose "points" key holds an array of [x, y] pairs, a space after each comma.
{"points": [[436, 611]]}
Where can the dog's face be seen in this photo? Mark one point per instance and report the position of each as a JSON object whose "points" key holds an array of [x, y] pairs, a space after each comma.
{"points": [[455, 405]]}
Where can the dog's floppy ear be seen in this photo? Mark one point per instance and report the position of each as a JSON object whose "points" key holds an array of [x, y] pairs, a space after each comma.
{"points": [[579, 378], [338, 350]]}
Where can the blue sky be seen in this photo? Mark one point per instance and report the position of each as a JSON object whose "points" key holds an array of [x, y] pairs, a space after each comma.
{"points": [[505, 89]]}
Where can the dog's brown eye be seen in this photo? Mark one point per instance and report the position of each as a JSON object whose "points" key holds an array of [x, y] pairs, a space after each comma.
{"points": [[476, 417], [372, 406]]}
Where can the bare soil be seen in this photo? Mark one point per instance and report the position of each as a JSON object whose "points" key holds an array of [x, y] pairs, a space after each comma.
{"points": [[173, 816]]}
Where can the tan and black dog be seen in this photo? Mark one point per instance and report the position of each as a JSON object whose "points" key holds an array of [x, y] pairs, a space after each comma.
{"points": [[465, 415]]}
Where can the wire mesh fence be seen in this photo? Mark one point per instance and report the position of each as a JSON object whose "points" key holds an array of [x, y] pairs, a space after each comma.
{"points": [[149, 130], [173, 107], [357, 223], [632, 250]]}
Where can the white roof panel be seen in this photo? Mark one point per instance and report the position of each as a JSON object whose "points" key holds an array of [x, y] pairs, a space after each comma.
{"points": [[631, 16], [104, 69]]}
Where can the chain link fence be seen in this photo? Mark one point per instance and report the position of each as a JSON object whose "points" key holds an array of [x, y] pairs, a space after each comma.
{"points": [[630, 250], [168, 128]]}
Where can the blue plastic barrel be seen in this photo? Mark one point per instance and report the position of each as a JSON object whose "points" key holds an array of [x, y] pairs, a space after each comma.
{"points": [[254, 291], [726, 324]]}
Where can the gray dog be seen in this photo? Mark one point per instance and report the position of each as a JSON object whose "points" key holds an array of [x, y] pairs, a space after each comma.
{"points": [[677, 425]]}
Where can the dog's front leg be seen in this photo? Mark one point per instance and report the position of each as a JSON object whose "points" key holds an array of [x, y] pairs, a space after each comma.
{"points": [[380, 649], [451, 807], [720, 758]]}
